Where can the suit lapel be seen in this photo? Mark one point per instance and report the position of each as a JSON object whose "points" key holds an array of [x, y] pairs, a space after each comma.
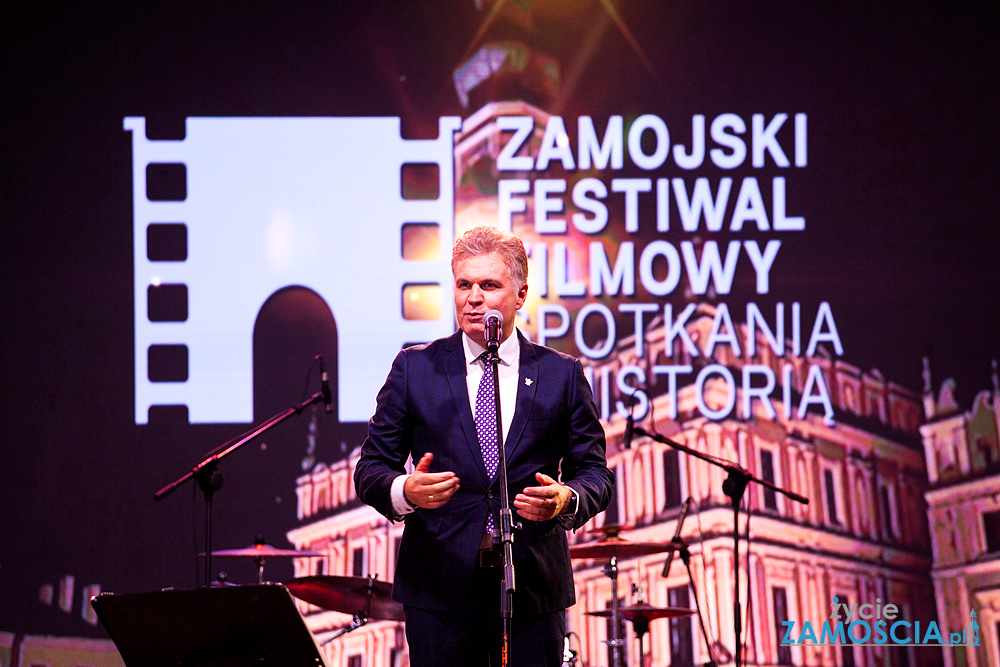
{"points": [[459, 385], [527, 383]]}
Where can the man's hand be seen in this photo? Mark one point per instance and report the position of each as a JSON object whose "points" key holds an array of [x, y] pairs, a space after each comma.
{"points": [[429, 490], [540, 503]]}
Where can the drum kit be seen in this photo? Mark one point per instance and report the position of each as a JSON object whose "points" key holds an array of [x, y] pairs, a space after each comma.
{"points": [[611, 546], [367, 598]]}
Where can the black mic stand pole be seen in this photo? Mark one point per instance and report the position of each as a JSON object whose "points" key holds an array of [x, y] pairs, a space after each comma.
{"points": [[682, 549], [210, 479], [733, 486], [506, 521]]}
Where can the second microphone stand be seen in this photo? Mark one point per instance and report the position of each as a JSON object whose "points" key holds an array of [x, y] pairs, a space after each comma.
{"points": [[209, 478], [733, 486]]}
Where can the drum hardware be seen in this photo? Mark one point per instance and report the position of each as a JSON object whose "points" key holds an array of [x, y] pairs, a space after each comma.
{"points": [[259, 551], [617, 547], [613, 547], [644, 613], [612, 529], [365, 598], [733, 486]]}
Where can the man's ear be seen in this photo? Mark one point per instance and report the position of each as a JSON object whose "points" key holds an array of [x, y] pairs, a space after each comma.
{"points": [[522, 294]]}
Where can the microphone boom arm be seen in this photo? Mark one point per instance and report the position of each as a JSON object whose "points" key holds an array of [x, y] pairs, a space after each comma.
{"points": [[739, 474]]}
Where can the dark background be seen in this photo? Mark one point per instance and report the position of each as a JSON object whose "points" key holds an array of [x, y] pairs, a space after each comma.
{"points": [[900, 198]]}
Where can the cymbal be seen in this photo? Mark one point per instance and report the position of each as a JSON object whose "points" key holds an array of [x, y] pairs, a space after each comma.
{"points": [[261, 551], [612, 529], [348, 595], [608, 547], [644, 612]]}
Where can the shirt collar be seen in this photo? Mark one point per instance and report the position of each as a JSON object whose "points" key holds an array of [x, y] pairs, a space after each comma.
{"points": [[509, 350]]}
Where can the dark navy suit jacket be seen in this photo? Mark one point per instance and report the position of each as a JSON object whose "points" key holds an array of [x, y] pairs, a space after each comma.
{"points": [[424, 407]]}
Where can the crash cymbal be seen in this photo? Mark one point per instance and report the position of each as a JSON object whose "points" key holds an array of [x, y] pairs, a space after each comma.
{"points": [[348, 595], [608, 547], [644, 612], [261, 551]]}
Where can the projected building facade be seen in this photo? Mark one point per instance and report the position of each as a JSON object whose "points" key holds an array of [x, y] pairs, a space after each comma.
{"points": [[853, 541], [963, 468]]}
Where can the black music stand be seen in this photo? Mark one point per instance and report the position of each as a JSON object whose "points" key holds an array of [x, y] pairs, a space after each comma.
{"points": [[229, 626]]}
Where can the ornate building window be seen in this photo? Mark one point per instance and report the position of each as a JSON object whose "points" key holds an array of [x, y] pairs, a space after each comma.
{"points": [[779, 598], [681, 635], [831, 496], [671, 479], [846, 651], [359, 562], [904, 655], [991, 529], [767, 470], [850, 400], [890, 517]]}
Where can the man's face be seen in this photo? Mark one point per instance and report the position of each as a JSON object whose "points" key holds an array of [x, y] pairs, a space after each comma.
{"points": [[483, 283]]}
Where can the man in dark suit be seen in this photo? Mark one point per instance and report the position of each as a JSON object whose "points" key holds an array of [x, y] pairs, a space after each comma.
{"points": [[449, 567]]}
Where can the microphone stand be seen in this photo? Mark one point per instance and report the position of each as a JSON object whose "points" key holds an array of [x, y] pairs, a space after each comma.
{"points": [[506, 522], [733, 486], [682, 549], [210, 479]]}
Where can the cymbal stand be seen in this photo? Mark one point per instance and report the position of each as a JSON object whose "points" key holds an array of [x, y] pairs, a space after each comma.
{"points": [[640, 622], [360, 617], [616, 642], [259, 560], [355, 623]]}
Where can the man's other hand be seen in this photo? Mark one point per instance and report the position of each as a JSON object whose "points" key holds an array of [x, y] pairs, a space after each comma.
{"points": [[427, 489], [541, 503]]}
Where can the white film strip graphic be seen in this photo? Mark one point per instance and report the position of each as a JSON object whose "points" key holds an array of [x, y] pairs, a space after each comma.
{"points": [[277, 202]]}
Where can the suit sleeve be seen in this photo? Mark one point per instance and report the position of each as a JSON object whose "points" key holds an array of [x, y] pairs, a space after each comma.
{"points": [[585, 466], [388, 445]]}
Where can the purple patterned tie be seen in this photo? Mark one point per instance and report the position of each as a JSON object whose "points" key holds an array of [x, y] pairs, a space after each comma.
{"points": [[486, 426]]}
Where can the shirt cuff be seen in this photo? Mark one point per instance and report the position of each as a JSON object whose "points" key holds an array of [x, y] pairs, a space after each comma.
{"points": [[568, 519], [400, 505]]}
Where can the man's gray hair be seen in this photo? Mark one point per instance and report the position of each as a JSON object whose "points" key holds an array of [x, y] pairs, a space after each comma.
{"points": [[484, 240]]}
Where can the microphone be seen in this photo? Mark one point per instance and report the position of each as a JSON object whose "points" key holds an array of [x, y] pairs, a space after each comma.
{"points": [[493, 320], [324, 383], [629, 427], [677, 535]]}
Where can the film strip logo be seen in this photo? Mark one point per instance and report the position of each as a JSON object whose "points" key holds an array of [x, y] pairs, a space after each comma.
{"points": [[243, 207]]}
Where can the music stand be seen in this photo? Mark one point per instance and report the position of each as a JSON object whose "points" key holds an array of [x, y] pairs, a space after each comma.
{"points": [[229, 626]]}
